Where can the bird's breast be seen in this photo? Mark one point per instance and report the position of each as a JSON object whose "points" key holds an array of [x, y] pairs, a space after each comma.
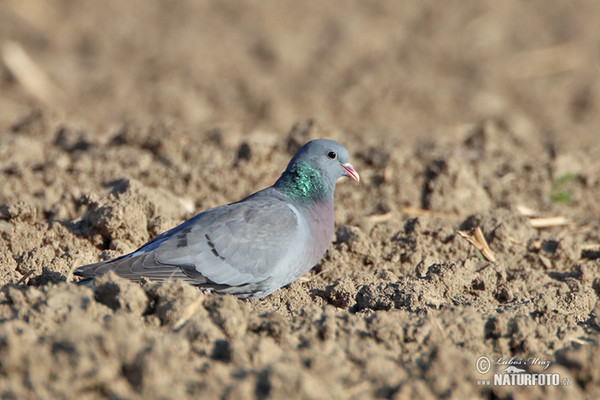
{"points": [[315, 230], [321, 227]]}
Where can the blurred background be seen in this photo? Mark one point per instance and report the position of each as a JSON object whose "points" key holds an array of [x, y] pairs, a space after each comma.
{"points": [[396, 71]]}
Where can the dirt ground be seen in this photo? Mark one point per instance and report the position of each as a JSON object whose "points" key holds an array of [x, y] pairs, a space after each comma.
{"points": [[120, 119]]}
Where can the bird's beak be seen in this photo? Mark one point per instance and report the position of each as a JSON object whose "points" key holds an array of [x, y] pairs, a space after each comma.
{"points": [[351, 172]]}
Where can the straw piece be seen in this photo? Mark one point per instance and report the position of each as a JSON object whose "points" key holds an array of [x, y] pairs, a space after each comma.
{"points": [[415, 212], [547, 222], [379, 218], [526, 211], [29, 74], [591, 246], [477, 240]]}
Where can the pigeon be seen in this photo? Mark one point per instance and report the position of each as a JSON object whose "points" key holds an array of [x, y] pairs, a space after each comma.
{"points": [[252, 247]]}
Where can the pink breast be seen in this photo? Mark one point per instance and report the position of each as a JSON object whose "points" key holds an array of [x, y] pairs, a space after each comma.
{"points": [[321, 226]]}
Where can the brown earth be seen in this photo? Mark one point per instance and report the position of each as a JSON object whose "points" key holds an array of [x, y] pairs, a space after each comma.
{"points": [[119, 120]]}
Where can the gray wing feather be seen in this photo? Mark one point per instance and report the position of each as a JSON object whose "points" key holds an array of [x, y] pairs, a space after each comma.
{"points": [[232, 245]]}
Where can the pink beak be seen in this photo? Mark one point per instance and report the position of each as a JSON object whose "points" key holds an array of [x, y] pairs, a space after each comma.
{"points": [[351, 172]]}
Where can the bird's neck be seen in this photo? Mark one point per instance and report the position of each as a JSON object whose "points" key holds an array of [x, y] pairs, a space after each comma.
{"points": [[302, 182]]}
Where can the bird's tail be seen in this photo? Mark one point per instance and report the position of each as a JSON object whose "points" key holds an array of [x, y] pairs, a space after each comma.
{"points": [[145, 265], [91, 271]]}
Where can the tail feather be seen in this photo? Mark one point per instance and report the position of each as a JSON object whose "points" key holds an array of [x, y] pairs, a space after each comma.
{"points": [[142, 266], [95, 269], [145, 266]]}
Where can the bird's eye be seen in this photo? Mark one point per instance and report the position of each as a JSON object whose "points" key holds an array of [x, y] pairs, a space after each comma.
{"points": [[332, 155]]}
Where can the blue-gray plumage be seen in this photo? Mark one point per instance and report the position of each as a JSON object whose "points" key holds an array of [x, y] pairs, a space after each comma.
{"points": [[255, 246]]}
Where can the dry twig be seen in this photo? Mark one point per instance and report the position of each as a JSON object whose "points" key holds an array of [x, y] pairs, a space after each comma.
{"points": [[24, 277], [478, 241]]}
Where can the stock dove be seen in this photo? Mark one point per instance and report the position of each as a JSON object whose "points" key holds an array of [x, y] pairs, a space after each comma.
{"points": [[255, 246]]}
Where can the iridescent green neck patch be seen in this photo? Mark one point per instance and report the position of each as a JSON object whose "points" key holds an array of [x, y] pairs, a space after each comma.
{"points": [[301, 181]]}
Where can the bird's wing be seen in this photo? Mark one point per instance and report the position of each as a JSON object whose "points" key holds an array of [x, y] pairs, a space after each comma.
{"points": [[231, 245]]}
